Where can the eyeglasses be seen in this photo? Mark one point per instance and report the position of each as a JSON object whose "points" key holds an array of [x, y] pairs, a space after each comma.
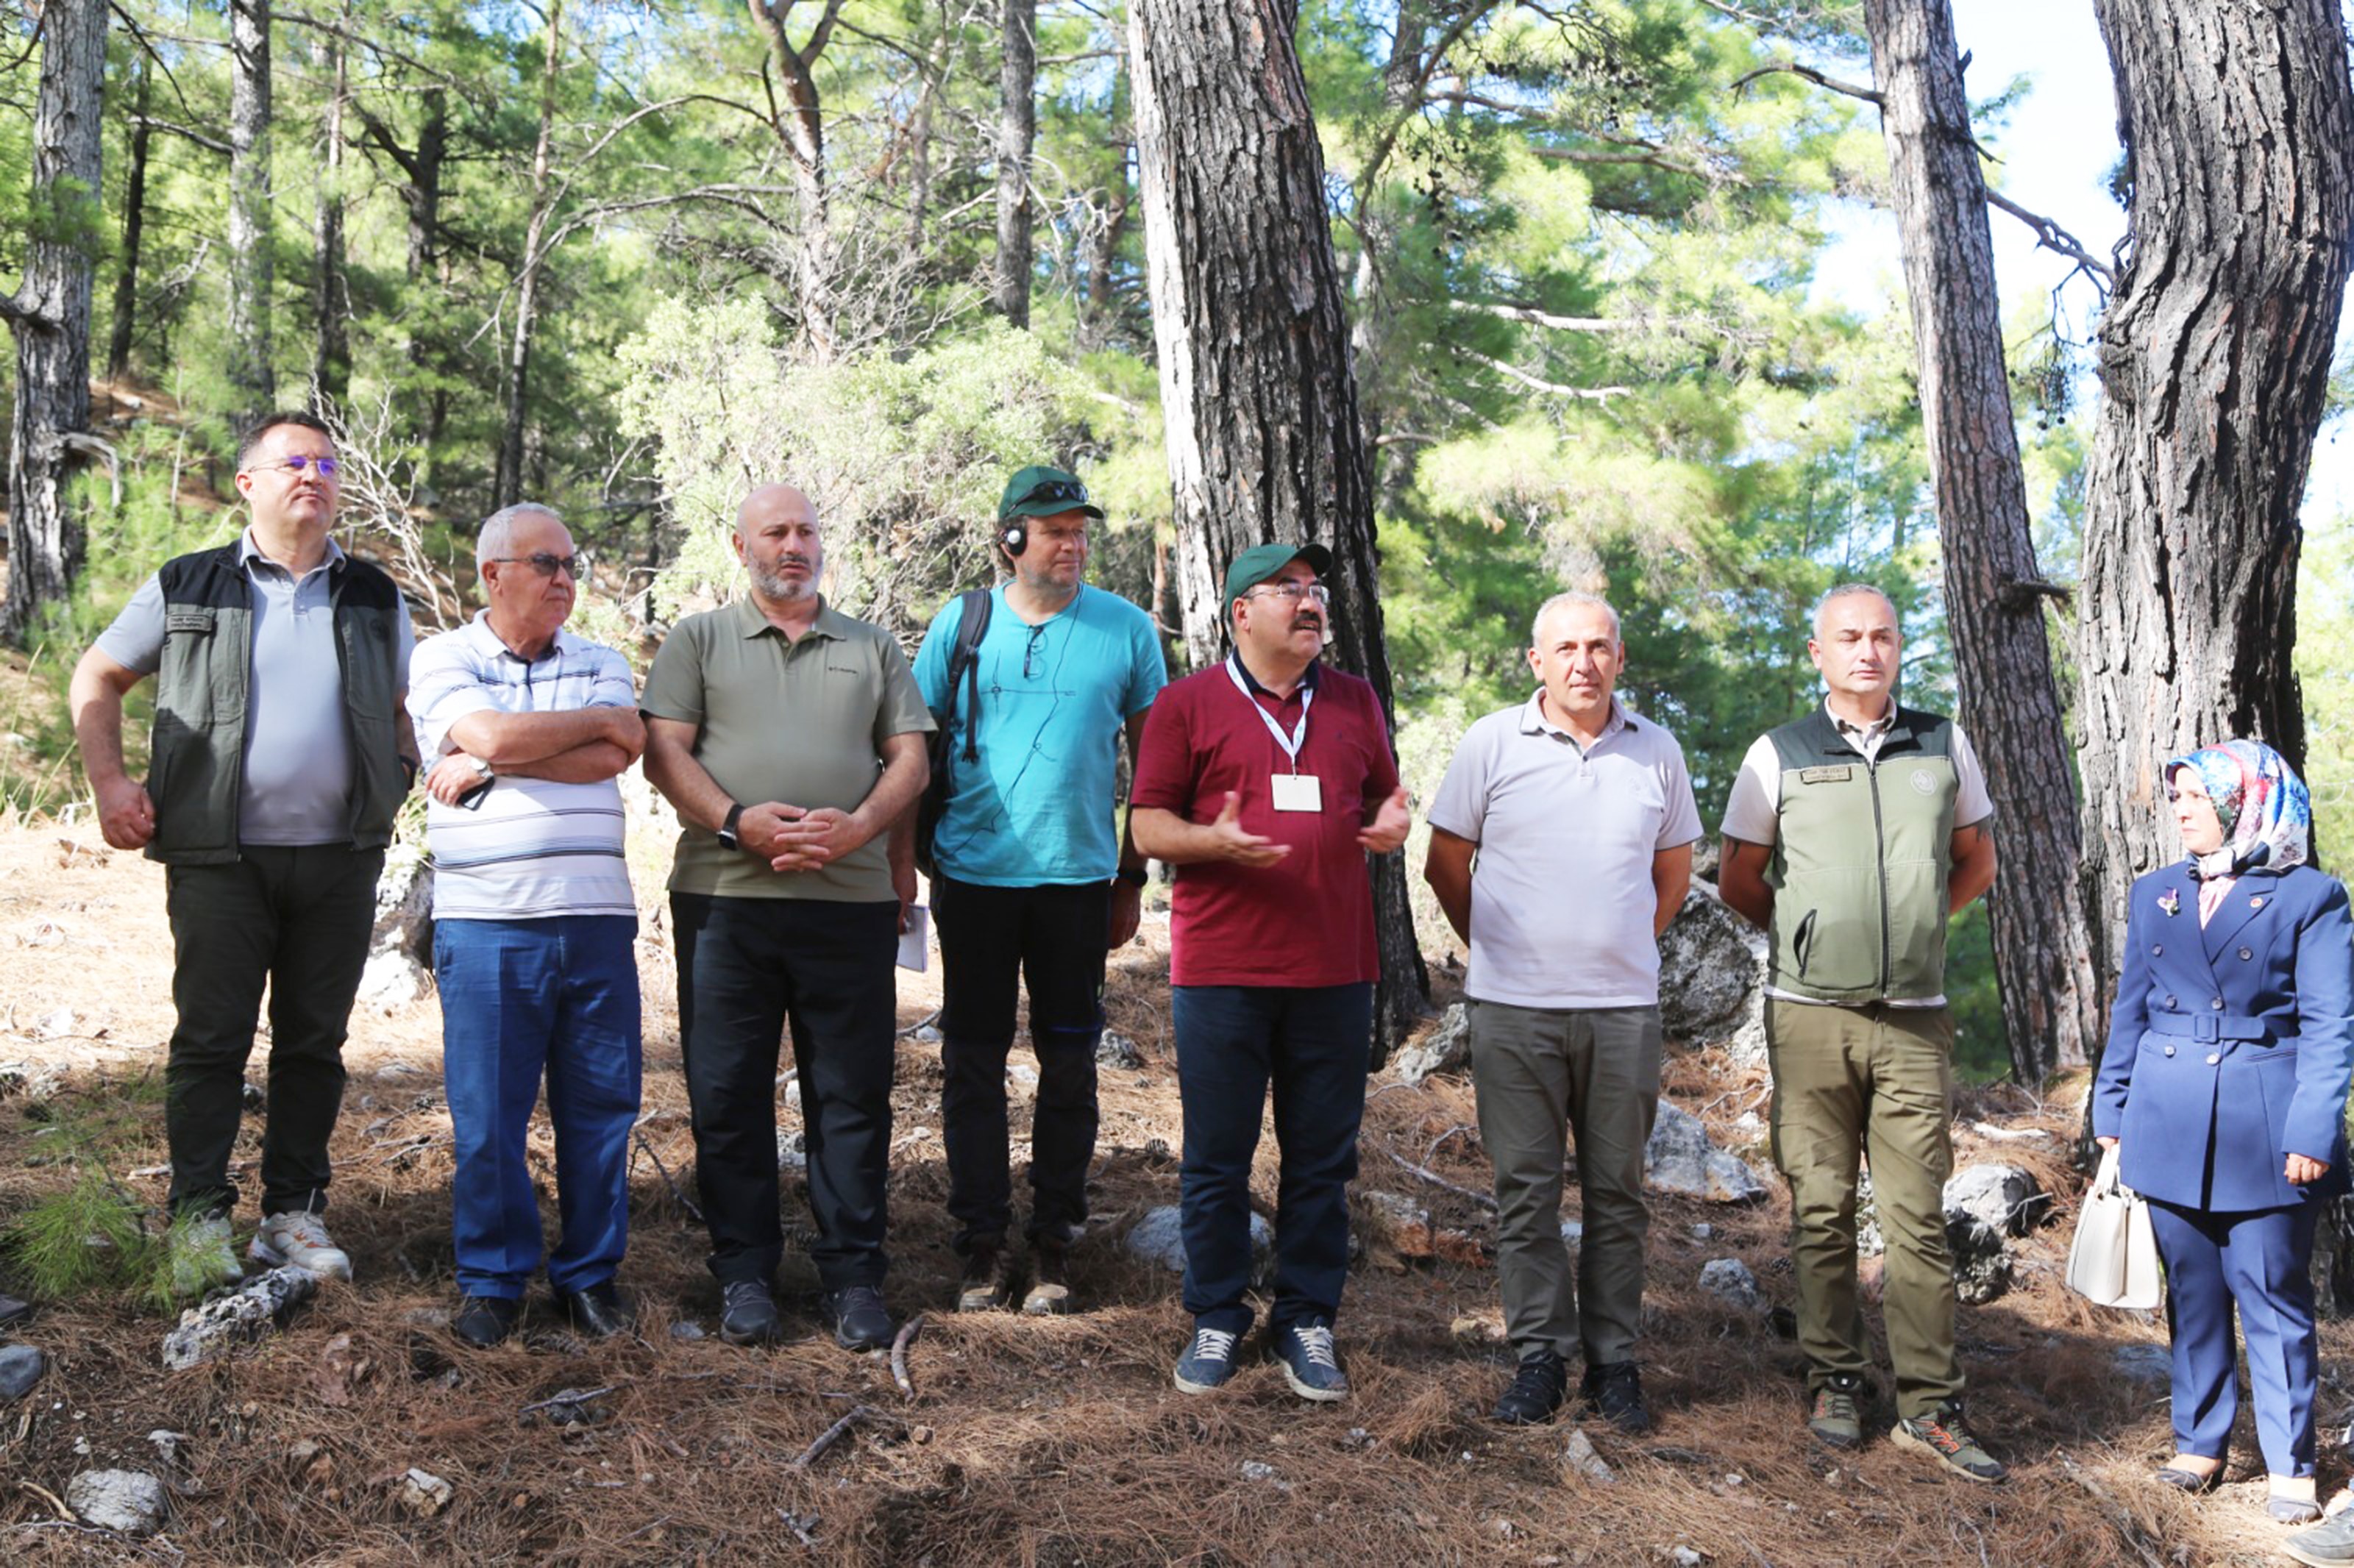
{"points": [[1319, 593], [297, 465], [1030, 653], [548, 566], [1069, 490]]}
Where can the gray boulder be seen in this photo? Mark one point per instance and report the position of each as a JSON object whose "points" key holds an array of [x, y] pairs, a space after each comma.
{"points": [[1442, 1050], [1117, 1051], [1710, 963], [2002, 1197], [21, 1367], [1159, 1237], [400, 948], [1679, 1159], [1728, 1281], [130, 1502], [250, 1312], [2148, 1364]]}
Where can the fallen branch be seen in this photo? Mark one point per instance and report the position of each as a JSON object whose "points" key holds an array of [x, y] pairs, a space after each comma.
{"points": [[570, 1396], [799, 1526], [1435, 1179], [931, 1018], [50, 1497], [2144, 1545], [906, 1337], [685, 1201], [830, 1435]]}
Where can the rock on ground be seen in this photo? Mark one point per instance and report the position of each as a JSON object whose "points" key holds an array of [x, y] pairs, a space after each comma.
{"points": [[1711, 962], [2142, 1363], [1115, 1049], [130, 1502], [2002, 1197], [249, 1313], [1729, 1279], [1679, 1159], [1581, 1459], [20, 1367], [400, 948], [1443, 1050], [1159, 1237]]}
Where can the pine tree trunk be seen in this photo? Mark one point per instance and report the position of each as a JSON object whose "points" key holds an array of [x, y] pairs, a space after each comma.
{"points": [[250, 264], [799, 125], [331, 356], [1017, 126], [49, 316], [2238, 124], [507, 488], [134, 228], [1994, 605], [1260, 402]]}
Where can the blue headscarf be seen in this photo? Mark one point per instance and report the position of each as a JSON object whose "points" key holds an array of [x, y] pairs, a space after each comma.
{"points": [[2267, 816]]}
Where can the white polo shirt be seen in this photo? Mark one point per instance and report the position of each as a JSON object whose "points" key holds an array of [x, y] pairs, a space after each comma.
{"points": [[1562, 899], [533, 848]]}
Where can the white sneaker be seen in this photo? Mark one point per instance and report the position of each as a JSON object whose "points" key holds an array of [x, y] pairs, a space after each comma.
{"points": [[300, 1239], [202, 1255]]}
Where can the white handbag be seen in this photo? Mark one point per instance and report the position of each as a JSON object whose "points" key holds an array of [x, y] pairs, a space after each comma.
{"points": [[2113, 1262]]}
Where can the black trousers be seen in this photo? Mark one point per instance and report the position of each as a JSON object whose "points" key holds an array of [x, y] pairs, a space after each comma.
{"points": [[993, 938], [297, 919], [747, 967]]}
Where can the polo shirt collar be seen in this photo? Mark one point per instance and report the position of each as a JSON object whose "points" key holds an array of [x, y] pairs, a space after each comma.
{"points": [[489, 644], [1864, 734], [248, 552], [1250, 683], [1534, 719], [831, 623]]}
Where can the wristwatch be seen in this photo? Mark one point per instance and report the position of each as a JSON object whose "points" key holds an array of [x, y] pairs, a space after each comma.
{"points": [[728, 829], [1134, 876], [481, 769]]}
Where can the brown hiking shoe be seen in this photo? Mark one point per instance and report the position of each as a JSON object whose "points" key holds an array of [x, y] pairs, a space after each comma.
{"points": [[988, 1282], [1942, 1437], [1050, 1293], [1836, 1416]]}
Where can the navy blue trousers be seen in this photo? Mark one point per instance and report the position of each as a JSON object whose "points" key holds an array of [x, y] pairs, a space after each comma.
{"points": [[2259, 1261], [1311, 1046], [521, 998]]}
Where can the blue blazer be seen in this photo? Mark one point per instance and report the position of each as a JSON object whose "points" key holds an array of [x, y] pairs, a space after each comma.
{"points": [[2230, 1046]]}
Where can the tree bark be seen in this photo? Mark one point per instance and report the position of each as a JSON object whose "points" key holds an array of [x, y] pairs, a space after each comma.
{"points": [[1258, 398], [251, 265], [2238, 126], [1994, 605], [50, 316], [507, 488], [331, 356], [134, 228], [1017, 129], [799, 125]]}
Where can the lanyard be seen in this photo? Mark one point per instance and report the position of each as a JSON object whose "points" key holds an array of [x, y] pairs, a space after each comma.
{"points": [[1299, 736]]}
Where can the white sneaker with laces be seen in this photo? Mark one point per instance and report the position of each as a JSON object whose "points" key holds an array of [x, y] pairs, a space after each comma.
{"points": [[300, 1239]]}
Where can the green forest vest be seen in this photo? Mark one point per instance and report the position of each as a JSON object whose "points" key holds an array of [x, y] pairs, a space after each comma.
{"points": [[197, 757], [1862, 859]]}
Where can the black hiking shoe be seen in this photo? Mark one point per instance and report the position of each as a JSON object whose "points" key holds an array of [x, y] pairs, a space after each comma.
{"points": [[1537, 1391], [1615, 1392]]}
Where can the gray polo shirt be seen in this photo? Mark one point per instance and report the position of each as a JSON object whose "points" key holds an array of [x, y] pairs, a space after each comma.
{"points": [[1562, 899], [801, 722], [296, 785]]}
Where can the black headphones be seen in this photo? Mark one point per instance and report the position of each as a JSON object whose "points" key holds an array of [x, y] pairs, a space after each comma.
{"points": [[1016, 536]]}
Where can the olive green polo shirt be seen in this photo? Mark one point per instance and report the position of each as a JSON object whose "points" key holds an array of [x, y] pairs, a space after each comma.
{"points": [[801, 722]]}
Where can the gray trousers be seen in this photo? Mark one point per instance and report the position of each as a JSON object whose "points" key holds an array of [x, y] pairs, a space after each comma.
{"points": [[1545, 1074]]}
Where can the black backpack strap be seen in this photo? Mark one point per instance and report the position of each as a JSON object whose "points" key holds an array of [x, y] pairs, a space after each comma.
{"points": [[964, 663]]}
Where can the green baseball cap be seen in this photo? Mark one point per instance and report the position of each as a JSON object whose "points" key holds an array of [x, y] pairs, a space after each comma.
{"points": [[1260, 562], [1042, 491]]}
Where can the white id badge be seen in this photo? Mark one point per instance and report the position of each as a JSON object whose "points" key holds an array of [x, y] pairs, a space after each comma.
{"points": [[1297, 792]]}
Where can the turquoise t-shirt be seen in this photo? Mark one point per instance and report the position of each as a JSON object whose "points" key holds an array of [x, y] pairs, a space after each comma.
{"points": [[1038, 807]]}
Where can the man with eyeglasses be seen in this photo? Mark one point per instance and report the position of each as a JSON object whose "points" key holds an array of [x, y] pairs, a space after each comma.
{"points": [[1031, 875], [279, 755], [534, 927], [790, 739], [1265, 781]]}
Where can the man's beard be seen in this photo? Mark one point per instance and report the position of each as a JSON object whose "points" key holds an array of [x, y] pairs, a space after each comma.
{"points": [[774, 586]]}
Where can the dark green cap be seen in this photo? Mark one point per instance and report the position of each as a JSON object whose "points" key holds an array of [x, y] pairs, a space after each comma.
{"points": [[1260, 562], [1042, 491]]}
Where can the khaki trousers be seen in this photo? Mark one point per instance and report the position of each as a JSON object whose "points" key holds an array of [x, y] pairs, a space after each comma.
{"points": [[1542, 1074], [1878, 1081]]}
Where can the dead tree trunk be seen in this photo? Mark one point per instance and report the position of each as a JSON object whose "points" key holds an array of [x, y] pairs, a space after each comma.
{"points": [[330, 355], [508, 486], [50, 316], [1017, 128], [799, 125], [1257, 391], [2238, 124], [250, 264], [1995, 591], [134, 228]]}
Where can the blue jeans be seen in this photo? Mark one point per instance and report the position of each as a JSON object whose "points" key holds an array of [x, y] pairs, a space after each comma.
{"points": [[520, 999], [1312, 1045]]}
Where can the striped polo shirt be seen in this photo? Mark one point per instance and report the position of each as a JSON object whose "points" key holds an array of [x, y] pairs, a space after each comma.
{"points": [[531, 849]]}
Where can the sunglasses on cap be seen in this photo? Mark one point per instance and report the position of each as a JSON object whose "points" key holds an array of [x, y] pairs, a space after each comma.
{"points": [[1069, 490]]}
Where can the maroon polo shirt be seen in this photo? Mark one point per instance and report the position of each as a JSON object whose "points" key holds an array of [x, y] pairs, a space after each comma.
{"points": [[1308, 920]]}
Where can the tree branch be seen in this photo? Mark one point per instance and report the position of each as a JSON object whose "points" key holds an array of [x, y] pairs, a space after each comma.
{"points": [[1808, 73], [209, 144], [1589, 393], [2051, 237]]}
